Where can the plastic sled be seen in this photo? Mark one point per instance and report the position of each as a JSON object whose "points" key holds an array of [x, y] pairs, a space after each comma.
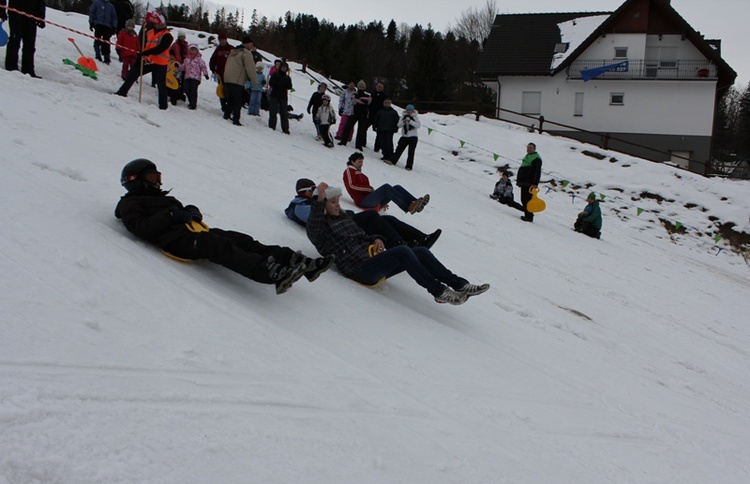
{"points": [[536, 204]]}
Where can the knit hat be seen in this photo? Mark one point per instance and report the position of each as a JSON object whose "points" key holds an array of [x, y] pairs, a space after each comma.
{"points": [[260, 65], [387, 101], [333, 192], [361, 85], [592, 196], [222, 35], [410, 107], [130, 23], [304, 184], [247, 40], [181, 33]]}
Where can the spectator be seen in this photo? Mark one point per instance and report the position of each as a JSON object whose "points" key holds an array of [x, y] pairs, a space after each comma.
{"points": [[256, 92], [503, 192], [280, 83], [103, 22], [192, 67], [151, 214], [240, 68], [528, 178], [128, 47], [408, 124], [325, 117], [312, 107], [364, 258], [378, 100], [365, 196], [385, 126], [124, 11], [217, 63], [360, 101], [346, 109], [589, 221]]}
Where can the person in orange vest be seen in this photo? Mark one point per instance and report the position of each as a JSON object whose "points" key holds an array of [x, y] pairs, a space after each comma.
{"points": [[155, 57]]}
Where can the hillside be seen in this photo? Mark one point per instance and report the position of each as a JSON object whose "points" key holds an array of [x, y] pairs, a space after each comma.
{"points": [[617, 360]]}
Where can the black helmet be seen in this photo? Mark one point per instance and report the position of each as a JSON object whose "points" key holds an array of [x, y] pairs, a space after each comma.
{"points": [[131, 173]]}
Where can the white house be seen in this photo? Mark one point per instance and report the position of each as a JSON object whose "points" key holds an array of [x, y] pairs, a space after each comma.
{"points": [[640, 80]]}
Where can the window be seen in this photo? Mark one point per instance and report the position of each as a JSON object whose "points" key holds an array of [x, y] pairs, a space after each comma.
{"points": [[616, 98], [578, 108], [561, 47], [531, 102], [621, 52]]}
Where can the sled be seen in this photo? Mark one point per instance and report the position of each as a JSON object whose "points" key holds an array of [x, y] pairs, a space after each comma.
{"points": [[3, 35], [372, 251], [86, 72], [172, 82], [536, 204], [220, 88], [193, 226]]}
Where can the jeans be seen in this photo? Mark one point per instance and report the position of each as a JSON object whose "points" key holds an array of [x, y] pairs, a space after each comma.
{"points": [[394, 231], [254, 106], [386, 193], [418, 262]]}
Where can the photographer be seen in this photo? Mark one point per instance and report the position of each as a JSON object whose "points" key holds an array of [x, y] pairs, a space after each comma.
{"points": [[408, 125]]}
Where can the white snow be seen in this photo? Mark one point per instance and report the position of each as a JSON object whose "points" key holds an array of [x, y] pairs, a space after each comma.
{"points": [[575, 32], [625, 359]]}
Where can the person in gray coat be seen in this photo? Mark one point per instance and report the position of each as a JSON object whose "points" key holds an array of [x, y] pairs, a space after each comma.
{"points": [[240, 69]]}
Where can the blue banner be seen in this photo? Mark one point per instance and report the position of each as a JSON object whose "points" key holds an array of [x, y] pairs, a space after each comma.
{"points": [[589, 74]]}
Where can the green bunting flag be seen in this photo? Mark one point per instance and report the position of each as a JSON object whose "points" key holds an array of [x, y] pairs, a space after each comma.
{"points": [[429, 131], [565, 183], [677, 225], [717, 238], [640, 211], [602, 196], [462, 143], [495, 156], [312, 82], [291, 90]]}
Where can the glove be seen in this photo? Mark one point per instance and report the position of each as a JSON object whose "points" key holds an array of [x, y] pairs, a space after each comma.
{"points": [[181, 216], [206, 76], [41, 25], [91, 27], [194, 212]]}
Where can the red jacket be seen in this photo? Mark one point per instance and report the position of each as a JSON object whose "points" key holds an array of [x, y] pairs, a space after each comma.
{"points": [[218, 60], [129, 41], [179, 50], [357, 184]]}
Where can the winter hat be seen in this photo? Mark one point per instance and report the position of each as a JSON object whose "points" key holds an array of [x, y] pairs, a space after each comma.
{"points": [[387, 101], [355, 156], [508, 173], [592, 196], [260, 65], [222, 35], [410, 107], [361, 85], [130, 23], [193, 46], [181, 33], [333, 192], [304, 184], [247, 40]]}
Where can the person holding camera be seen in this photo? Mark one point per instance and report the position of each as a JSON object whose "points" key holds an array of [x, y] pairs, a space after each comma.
{"points": [[22, 29], [408, 125]]}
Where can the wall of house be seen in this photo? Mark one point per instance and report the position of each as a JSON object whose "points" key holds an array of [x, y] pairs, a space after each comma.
{"points": [[604, 47]]}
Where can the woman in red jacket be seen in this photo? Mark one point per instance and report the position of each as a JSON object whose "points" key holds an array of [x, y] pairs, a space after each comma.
{"points": [[365, 196]]}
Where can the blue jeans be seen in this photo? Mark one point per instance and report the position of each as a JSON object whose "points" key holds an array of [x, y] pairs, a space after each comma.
{"points": [[254, 107], [418, 262], [386, 193]]}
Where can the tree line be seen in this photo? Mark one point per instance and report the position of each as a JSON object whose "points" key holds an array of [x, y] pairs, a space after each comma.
{"points": [[732, 125]]}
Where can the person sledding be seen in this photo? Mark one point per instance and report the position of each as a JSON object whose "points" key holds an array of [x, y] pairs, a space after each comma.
{"points": [[364, 258], [589, 221], [503, 191], [153, 215]]}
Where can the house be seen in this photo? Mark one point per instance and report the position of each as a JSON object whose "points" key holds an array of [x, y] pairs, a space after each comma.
{"points": [[640, 74]]}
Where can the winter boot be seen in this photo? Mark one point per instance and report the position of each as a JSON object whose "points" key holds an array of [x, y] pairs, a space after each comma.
{"points": [[451, 296], [315, 267], [283, 276]]}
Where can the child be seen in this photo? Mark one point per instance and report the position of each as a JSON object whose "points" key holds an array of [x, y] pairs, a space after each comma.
{"points": [[589, 221], [128, 47], [325, 116], [256, 93], [504, 191], [193, 66]]}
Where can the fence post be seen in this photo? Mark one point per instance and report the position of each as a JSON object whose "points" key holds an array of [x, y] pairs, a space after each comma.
{"points": [[541, 124], [605, 141]]}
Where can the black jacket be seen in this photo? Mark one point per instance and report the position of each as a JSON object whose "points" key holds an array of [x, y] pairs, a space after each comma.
{"points": [[36, 8], [280, 84], [386, 121], [315, 102], [147, 213], [530, 171]]}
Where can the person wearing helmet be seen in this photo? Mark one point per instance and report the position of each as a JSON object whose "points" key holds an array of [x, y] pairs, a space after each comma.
{"points": [[325, 116], [153, 215]]}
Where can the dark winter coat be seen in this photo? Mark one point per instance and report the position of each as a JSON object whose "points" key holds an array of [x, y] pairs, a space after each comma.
{"points": [[102, 12], [361, 100], [147, 214], [504, 189], [530, 171], [340, 236], [218, 61], [386, 121], [595, 217], [280, 84], [376, 103], [36, 8], [124, 11], [315, 102]]}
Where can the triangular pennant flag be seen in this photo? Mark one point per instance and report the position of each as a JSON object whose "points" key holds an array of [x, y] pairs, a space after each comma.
{"points": [[312, 82], [565, 183], [462, 143], [429, 131], [640, 211], [677, 225], [602, 196], [495, 156], [291, 90], [717, 238]]}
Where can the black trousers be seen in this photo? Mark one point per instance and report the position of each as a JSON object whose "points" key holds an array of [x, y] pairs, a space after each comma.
{"points": [[587, 228], [158, 75], [323, 129], [191, 91], [278, 107], [403, 143], [233, 94], [234, 250], [102, 49], [22, 29], [525, 198]]}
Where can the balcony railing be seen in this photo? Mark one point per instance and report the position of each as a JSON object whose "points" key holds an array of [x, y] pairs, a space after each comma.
{"points": [[646, 69]]}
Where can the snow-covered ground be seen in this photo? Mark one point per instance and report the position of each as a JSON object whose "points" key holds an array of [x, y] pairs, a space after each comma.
{"points": [[625, 359]]}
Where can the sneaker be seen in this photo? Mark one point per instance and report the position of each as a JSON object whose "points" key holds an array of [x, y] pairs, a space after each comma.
{"points": [[474, 289], [315, 267], [430, 240], [419, 204], [318, 138], [283, 276], [451, 296]]}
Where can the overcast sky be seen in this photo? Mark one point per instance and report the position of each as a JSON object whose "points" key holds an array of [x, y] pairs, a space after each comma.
{"points": [[723, 19]]}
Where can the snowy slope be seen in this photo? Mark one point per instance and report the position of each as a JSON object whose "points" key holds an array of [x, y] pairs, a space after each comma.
{"points": [[619, 360]]}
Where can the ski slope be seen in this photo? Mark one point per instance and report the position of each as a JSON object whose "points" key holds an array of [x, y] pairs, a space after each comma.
{"points": [[625, 359]]}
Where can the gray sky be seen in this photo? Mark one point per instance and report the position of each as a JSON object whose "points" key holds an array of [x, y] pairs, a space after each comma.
{"points": [[723, 19]]}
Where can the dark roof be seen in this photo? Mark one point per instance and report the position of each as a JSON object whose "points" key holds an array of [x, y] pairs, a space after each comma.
{"points": [[523, 44]]}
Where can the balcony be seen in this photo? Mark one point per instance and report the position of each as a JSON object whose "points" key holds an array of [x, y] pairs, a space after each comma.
{"points": [[647, 69]]}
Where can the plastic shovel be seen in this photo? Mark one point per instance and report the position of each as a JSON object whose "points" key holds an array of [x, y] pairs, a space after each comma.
{"points": [[86, 62]]}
